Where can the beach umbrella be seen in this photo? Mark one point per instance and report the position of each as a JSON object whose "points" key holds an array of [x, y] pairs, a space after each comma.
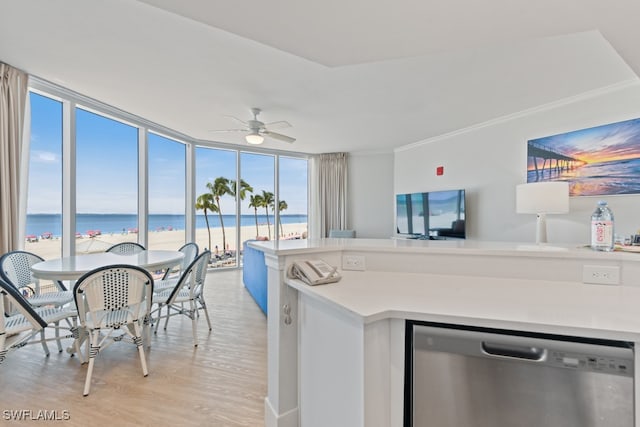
{"points": [[92, 246]]}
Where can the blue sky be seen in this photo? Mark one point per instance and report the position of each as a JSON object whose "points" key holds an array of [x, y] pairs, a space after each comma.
{"points": [[107, 167]]}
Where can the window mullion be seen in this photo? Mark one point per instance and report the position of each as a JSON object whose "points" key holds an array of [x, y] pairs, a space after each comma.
{"points": [[68, 178], [143, 186]]}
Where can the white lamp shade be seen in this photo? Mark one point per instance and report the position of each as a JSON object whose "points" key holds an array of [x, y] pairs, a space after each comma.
{"points": [[254, 138], [543, 197]]}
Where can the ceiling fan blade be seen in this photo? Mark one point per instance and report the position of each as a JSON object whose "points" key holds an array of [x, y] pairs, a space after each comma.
{"points": [[228, 130], [279, 136], [236, 119], [282, 124]]}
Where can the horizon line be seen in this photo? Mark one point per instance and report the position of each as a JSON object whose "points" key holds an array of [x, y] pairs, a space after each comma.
{"points": [[126, 213]]}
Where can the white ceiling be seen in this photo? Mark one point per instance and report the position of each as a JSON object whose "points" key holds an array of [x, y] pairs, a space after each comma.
{"points": [[349, 75]]}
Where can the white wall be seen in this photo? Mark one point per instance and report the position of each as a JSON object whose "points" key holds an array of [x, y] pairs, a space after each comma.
{"points": [[490, 160], [371, 197]]}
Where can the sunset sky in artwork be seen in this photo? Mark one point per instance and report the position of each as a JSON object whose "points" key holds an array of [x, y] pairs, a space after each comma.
{"points": [[615, 141]]}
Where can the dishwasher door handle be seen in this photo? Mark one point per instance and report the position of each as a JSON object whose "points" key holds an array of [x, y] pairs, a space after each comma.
{"points": [[534, 354]]}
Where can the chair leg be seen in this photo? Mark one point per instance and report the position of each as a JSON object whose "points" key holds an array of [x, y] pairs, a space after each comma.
{"points": [[57, 328], [166, 320], [146, 330], [94, 337], [194, 321], [78, 334], [88, 345], [3, 351], [206, 312], [158, 319], [44, 343], [140, 344], [77, 343]]}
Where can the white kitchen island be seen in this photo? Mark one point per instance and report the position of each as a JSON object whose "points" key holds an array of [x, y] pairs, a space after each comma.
{"points": [[339, 359]]}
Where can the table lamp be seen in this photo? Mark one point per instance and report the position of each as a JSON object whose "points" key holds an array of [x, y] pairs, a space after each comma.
{"points": [[542, 198]]}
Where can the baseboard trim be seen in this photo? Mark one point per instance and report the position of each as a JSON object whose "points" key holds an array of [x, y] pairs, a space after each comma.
{"points": [[272, 419]]}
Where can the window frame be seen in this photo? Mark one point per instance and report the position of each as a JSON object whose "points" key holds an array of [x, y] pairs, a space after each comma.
{"points": [[71, 100]]}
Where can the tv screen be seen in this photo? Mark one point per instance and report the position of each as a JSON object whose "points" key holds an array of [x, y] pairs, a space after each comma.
{"points": [[432, 215]]}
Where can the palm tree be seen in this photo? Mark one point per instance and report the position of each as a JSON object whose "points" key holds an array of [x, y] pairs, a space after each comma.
{"points": [[282, 205], [205, 202], [244, 188], [267, 201], [219, 187], [255, 202]]}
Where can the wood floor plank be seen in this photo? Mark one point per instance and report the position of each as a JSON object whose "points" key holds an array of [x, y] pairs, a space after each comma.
{"points": [[222, 382]]}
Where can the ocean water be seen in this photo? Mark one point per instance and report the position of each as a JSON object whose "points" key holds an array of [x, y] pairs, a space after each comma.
{"points": [[595, 179], [37, 224]]}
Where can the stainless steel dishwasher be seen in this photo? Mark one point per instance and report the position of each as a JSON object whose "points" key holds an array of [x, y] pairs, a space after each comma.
{"points": [[476, 377]]}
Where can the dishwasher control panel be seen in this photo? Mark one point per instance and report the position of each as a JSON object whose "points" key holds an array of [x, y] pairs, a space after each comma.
{"points": [[594, 363]]}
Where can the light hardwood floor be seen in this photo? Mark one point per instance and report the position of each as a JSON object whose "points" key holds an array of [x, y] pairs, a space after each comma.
{"points": [[222, 382]]}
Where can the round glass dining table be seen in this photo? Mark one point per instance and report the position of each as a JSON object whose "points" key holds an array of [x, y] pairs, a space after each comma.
{"points": [[73, 267]]}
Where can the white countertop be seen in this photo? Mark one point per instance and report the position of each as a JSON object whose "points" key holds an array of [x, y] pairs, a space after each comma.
{"points": [[460, 247], [568, 308]]}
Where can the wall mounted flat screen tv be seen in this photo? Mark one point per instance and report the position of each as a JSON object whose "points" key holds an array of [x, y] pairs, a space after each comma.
{"points": [[431, 215]]}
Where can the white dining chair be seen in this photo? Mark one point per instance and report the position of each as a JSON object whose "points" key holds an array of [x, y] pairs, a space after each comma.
{"points": [[20, 324], [15, 270], [171, 276], [113, 303], [188, 291]]}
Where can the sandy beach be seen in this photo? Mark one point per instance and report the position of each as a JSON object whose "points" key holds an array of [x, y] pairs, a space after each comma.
{"points": [[51, 248]]}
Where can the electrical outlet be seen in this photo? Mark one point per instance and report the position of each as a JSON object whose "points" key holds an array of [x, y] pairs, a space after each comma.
{"points": [[353, 262], [601, 275]]}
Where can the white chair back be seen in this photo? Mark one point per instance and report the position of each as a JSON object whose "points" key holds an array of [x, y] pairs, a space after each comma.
{"points": [[15, 269], [190, 251], [126, 248], [192, 278], [113, 295]]}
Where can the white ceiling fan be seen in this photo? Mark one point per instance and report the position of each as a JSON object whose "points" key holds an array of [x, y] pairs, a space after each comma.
{"points": [[257, 130]]}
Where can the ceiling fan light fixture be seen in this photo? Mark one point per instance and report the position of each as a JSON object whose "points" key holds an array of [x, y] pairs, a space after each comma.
{"points": [[254, 138], [255, 131]]}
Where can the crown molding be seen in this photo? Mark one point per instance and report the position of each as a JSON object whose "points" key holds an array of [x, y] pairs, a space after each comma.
{"points": [[625, 84]]}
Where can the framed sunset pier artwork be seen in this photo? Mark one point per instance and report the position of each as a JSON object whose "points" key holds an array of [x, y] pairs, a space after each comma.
{"points": [[602, 160]]}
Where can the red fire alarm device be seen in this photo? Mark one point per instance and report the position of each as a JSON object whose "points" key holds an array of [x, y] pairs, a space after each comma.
{"points": [[440, 170]]}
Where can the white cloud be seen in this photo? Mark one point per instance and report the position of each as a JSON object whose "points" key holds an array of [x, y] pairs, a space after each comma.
{"points": [[44, 157]]}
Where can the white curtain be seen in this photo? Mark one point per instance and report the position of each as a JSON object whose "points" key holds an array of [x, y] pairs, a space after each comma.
{"points": [[328, 193], [13, 98]]}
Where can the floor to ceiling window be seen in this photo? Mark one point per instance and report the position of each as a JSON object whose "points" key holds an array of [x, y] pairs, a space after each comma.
{"points": [[257, 207], [44, 201], [167, 195], [210, 193], [215, 175], [293, 203], [106, 180]]}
